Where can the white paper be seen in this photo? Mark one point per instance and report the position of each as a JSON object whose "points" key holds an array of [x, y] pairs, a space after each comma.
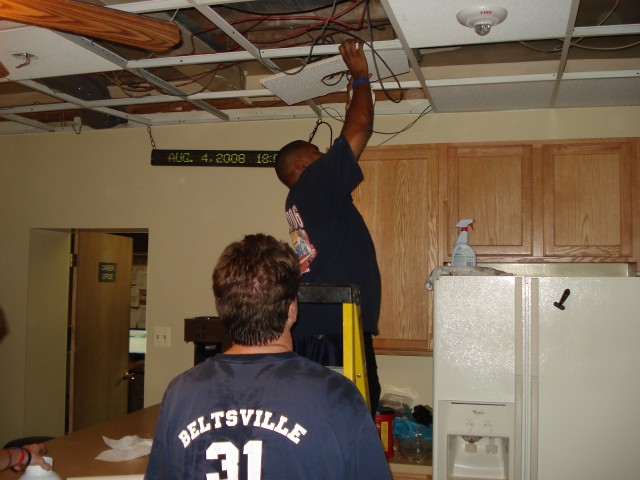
{"points": [[139, 476], [127, 448]]}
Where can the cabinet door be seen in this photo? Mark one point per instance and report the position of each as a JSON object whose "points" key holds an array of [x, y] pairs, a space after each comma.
{"points": [[587, 200], [398, 200], [493, 185]]}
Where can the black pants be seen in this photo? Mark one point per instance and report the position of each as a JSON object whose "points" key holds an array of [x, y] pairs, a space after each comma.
{"points": [[327, 350]]}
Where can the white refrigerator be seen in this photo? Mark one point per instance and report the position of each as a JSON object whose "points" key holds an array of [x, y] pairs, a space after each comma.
{"points": [[529, 386]]}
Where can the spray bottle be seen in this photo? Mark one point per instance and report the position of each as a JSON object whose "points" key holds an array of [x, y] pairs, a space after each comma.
{"points": [[463, 255]]}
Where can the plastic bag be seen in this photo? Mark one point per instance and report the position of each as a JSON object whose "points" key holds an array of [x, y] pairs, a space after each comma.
{"points": [[407, 428]]}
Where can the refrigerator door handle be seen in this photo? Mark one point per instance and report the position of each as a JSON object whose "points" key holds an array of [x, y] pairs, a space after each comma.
{"points": [[520, 448], [563, 299], [533, 352]]}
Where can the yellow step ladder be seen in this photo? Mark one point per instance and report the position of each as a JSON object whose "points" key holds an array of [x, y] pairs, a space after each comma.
{"points": [[354, 363]]}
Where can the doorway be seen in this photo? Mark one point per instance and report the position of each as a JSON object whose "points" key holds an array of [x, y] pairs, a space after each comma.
{"points": [[51, 334]]}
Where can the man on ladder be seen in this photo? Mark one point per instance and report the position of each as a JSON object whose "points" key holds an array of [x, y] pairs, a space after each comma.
{"points": [[329, 234]]}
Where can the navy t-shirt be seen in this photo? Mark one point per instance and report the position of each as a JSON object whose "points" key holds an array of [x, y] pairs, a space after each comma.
{"points": [[332, 240], [265, 416]]}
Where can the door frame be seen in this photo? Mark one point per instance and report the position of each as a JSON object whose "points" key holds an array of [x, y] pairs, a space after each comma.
{"points": [[47, 328]]}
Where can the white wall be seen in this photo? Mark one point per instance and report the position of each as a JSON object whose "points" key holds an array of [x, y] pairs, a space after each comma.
{"points": [[104, 180]]}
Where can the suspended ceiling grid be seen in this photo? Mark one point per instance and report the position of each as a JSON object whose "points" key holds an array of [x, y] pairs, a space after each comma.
{"points": [[534, 59]]}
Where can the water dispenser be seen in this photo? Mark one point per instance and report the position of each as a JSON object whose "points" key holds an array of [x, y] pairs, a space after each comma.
{"points": [[475, 441]]}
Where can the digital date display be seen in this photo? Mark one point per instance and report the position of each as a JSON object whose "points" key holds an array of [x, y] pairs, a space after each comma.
{"points": [[214, 158]]}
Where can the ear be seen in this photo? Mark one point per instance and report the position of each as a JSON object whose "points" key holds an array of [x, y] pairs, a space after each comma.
{"points": [[292, 317], [299, 164]]}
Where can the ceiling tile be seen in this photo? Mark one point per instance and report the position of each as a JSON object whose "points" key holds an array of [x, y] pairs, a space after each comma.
{"points": [[433, 23], [599, 92], [51, 55], [496, 96], [313, 81]]}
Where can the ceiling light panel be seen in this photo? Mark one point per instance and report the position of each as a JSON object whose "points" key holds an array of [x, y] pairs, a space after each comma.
{"points": [[433, 23]]}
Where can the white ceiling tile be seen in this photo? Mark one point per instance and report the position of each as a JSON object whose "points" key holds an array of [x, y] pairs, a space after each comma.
{"points": [[308, 83], [496, 96], [599, 92], [53, 55], [433, 23]]}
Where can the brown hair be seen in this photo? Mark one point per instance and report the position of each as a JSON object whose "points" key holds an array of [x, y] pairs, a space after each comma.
{"points": [[254, 283]]}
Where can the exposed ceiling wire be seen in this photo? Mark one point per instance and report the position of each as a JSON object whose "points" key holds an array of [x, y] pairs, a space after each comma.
{"points": [[338, 117], [329, 26], [424, 112]]}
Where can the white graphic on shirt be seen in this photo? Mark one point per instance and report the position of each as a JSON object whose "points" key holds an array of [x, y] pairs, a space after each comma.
{"points": [[246, 417], [300, 239], [227, 452], [230, 461]]}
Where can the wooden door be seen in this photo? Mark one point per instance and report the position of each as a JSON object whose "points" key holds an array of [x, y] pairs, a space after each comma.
{"points": [[493, 184], [399, 202], [588, 204], [100, 329]]}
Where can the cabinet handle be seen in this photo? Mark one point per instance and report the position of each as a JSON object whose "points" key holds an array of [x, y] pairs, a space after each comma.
{"points": [[128, 376]]}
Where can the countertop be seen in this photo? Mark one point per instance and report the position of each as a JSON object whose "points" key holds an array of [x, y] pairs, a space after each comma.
{"points": [[74, 454]]}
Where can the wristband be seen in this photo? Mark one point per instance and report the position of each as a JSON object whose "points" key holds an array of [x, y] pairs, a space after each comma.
{"points": [[28, 458], [19, 462], [360, 80]]}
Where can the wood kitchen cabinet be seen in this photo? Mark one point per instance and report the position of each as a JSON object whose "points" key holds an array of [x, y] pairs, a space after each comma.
{"points": [[589, 200], [399, 202], [561, 201], [493, 184]]}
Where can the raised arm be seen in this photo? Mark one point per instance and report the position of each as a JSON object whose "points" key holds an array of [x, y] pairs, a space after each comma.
{"points": [[358, 124]]}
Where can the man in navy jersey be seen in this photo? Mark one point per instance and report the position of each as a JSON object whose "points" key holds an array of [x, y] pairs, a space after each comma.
{"points": [[332, 241], [259, 411]]}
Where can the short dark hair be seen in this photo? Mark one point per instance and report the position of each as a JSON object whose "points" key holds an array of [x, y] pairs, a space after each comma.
{"points": [[254, 282], [285, 158]]}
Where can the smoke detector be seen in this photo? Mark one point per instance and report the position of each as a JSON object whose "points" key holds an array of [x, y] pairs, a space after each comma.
{"points": [[481, 19]]}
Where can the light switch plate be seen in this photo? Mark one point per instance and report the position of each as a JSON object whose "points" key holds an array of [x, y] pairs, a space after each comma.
{"points": [[162, 337]]}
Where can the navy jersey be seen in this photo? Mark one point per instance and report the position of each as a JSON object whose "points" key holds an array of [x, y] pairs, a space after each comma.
{"points": [[332, 240], [265, 417]]}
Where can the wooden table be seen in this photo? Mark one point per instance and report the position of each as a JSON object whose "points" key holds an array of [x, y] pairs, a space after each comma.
{"points": [[74, 454]]}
